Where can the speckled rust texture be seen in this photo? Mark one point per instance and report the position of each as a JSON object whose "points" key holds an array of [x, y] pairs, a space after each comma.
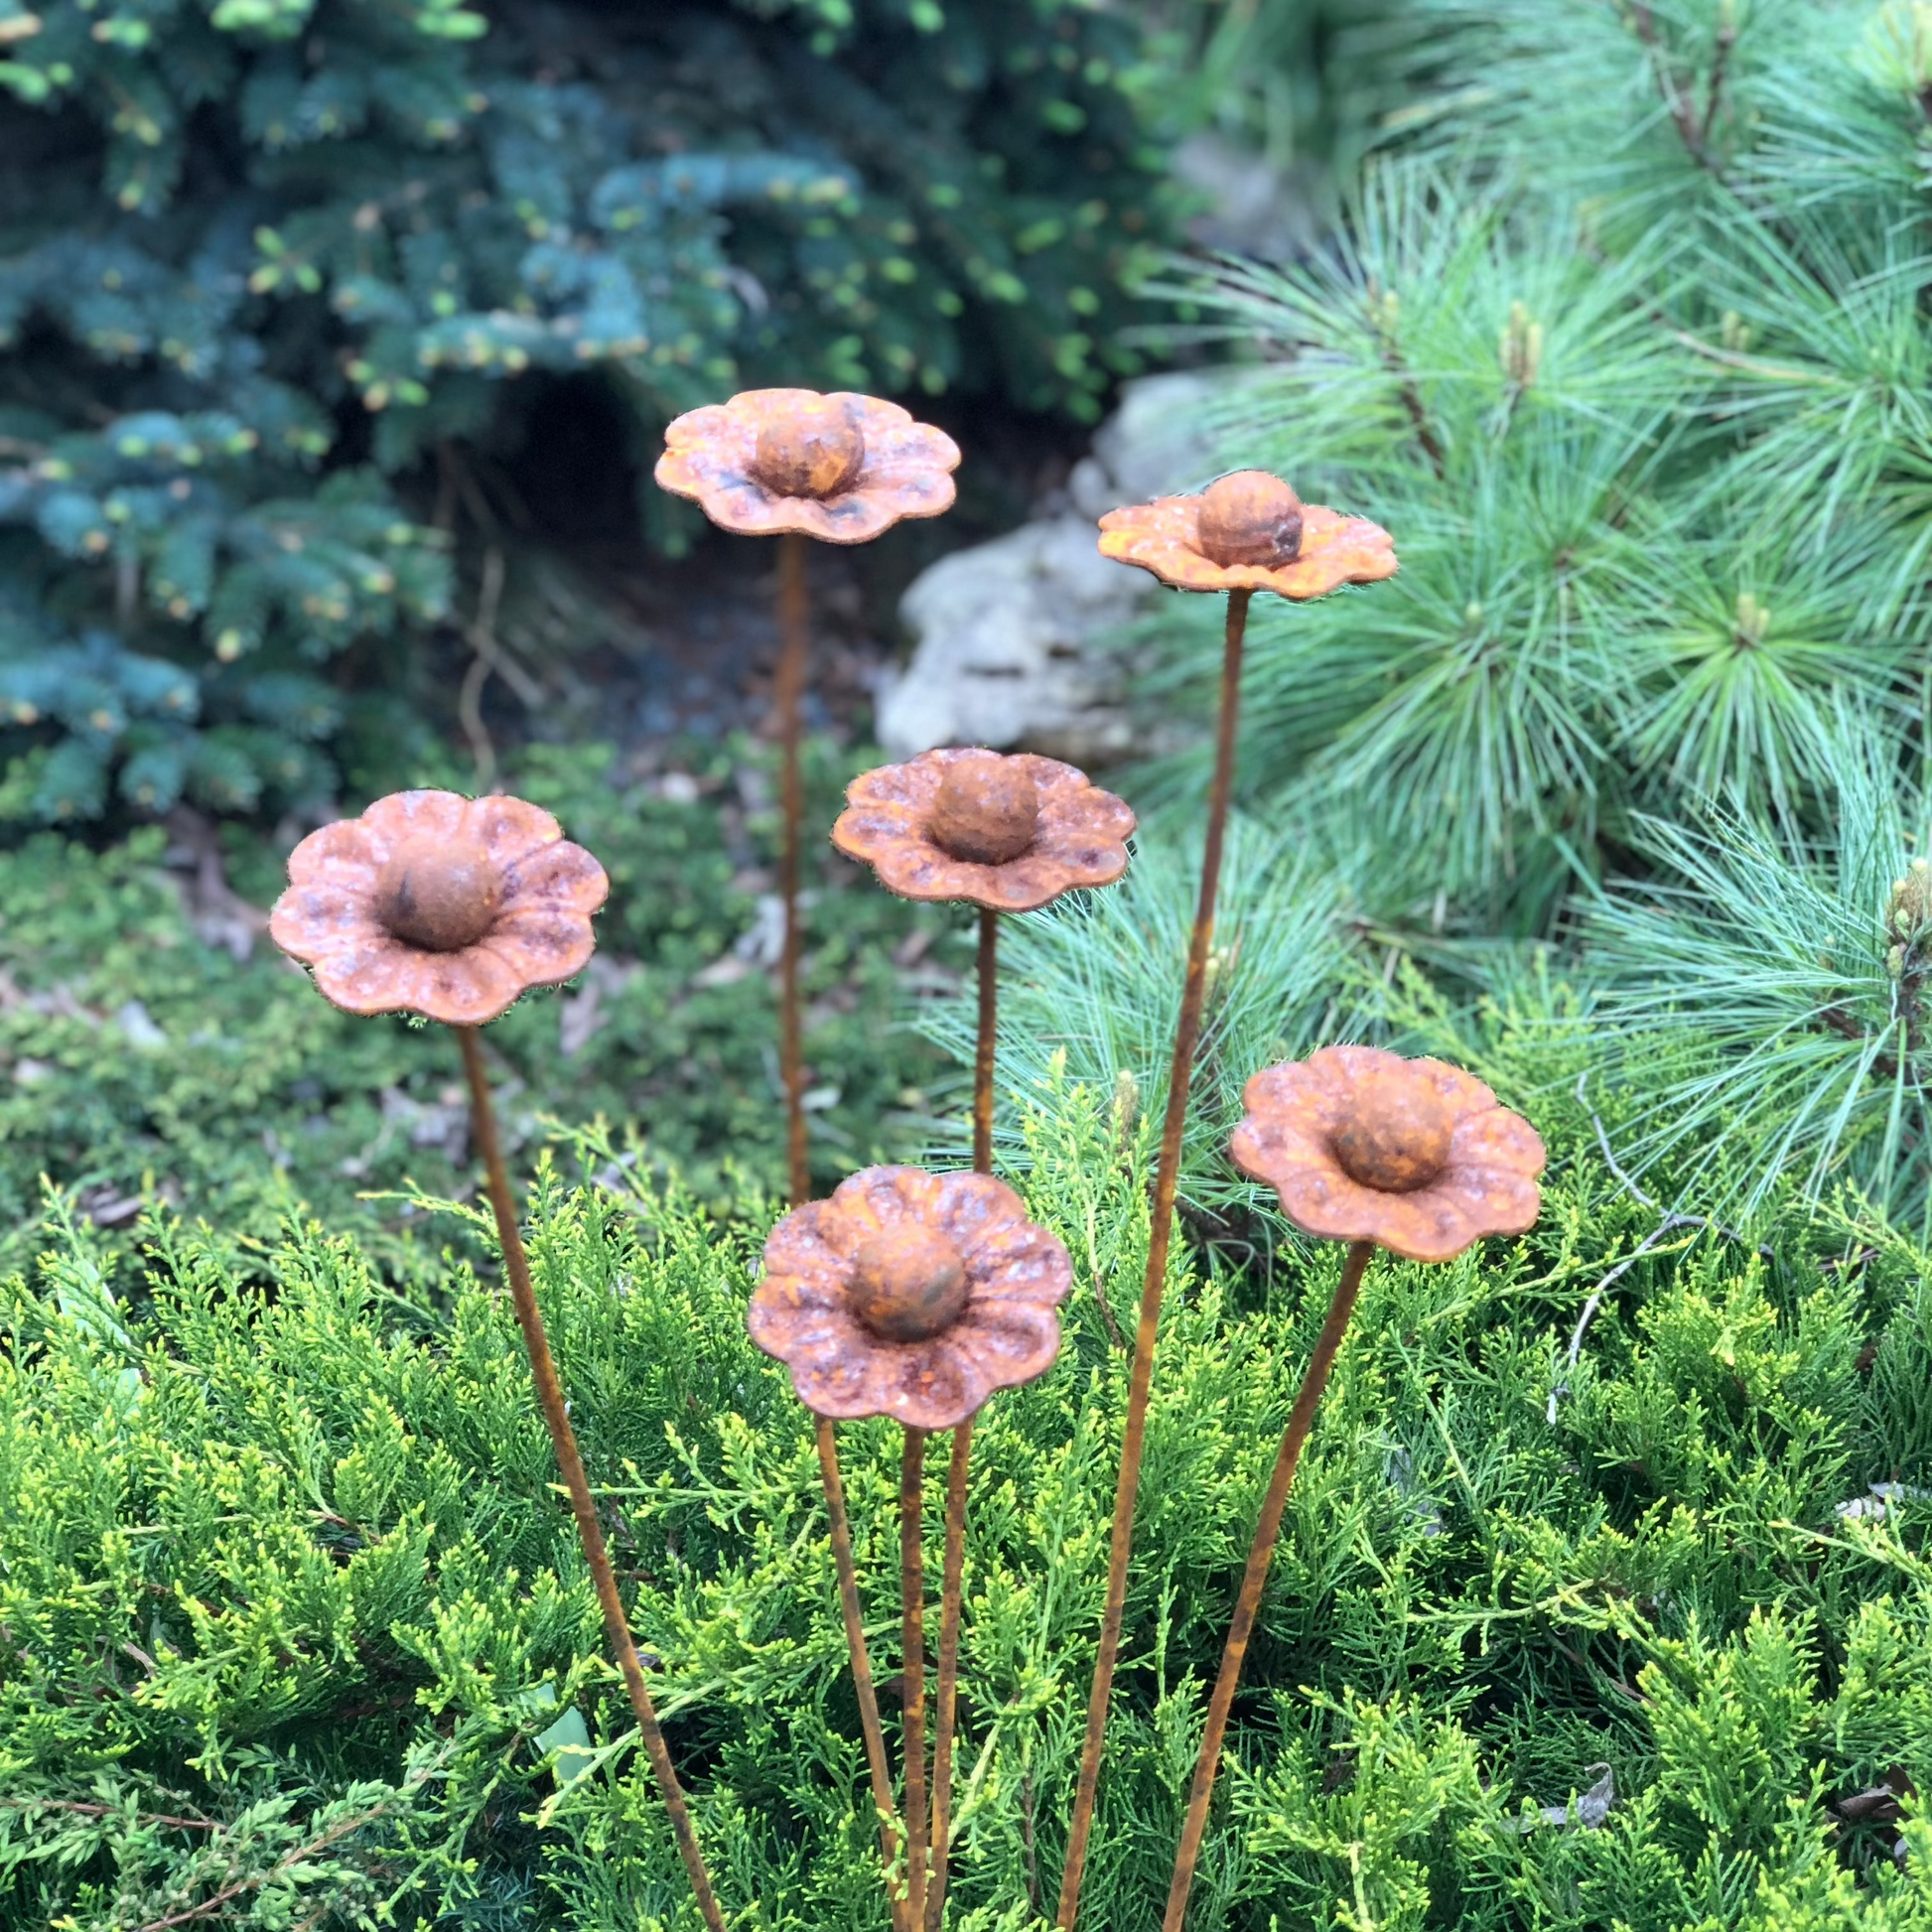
{"points": [[711, 454], [1007, 1331], [538, 932], [1301, 1115], [1163, 537], [1080, 838]]}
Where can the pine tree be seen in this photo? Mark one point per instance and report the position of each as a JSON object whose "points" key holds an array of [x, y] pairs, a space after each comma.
{"points": [[1626, 339]]}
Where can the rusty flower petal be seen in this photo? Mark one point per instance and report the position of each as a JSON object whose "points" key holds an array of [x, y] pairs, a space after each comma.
{"points": [[711, 456], [1162, 536], [1080, 839], [535, 922], [1478, 1179], [804, 1309]]}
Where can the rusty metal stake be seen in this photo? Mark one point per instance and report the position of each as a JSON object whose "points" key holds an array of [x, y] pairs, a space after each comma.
{"points": [[1260, 1554], [1166, 1179], [563, 1441], [855, 1638], [988, 1040], [946, 1703], [911, 1587], [789, 688]]}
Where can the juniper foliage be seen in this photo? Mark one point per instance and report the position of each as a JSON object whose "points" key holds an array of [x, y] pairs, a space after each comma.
{"points": [[299, 1632]]}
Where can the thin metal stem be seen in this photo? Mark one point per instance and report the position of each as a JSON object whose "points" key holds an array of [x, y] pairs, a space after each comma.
{"points": [[589, 1531], [855, 1638], [911, 1586], [1167, 1179], [1260, 1554], [949, 1692], [789, 687], [988, 1040]]}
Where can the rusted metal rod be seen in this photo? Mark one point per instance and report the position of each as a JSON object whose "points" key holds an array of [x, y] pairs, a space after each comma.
{"points": [[988, 1040], [789, 688], [1167, 1179], [911, 1586], [855, 1638], [947, 1698], [1260, 1554], [589, 1531]]}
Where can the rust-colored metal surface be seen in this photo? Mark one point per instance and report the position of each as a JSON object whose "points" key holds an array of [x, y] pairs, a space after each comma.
{"points": [[1169, 538], [911, 1586], [909, 822], [1416, 1156], [1260, 1553], [841, 1275], [1250, 518], [583, 1505], [794, 646], [986, 1043], [841, 467], [1167, 1179], [946, 1697], [854, 1643], [435, 903]]}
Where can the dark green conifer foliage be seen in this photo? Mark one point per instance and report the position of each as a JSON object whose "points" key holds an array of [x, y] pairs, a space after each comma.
{"points": [[259, 260]]}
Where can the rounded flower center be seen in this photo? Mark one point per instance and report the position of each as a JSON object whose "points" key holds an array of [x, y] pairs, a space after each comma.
{"points": [[1250, 518], [1396, 1137], [440, 895], [987, 808], [908, 1284], [809, 448]]}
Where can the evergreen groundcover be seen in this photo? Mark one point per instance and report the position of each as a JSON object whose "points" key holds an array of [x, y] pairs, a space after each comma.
{"points": [[298, 1634]]}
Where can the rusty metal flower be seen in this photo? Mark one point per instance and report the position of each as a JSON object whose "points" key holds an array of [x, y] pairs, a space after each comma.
{"points": [[439, 905], [1005, 832], [910, 1295], [1362, 1145], [1248, 532], [841, 467]]}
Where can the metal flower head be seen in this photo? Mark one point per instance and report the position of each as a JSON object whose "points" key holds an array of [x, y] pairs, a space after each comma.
{"points": [[910, 1295], [1362, 1145], [435, 903], [1006, 832], [1248, 532], [841, 467]]}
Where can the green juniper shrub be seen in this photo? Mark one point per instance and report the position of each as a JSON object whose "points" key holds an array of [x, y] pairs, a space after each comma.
{"points": [[296, 1620]]}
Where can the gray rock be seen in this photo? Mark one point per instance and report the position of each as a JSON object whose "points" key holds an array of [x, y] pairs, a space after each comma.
{"points": [[1016, 640]]}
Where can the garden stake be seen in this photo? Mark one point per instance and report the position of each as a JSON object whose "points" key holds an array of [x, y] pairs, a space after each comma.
{"points": [[1363, 1147], [985, 1045], [855, 1640], [911, 1584], [952, 1573], [1260, 1554], [914, 1296], [790, 685], [1248, 531], [1007, 834], [451, 908], [793, 464], [948, 1695], [563, 1439]]}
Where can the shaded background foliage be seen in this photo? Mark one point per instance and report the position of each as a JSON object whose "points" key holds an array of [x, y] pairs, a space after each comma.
{"points": [[278, 276]]}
